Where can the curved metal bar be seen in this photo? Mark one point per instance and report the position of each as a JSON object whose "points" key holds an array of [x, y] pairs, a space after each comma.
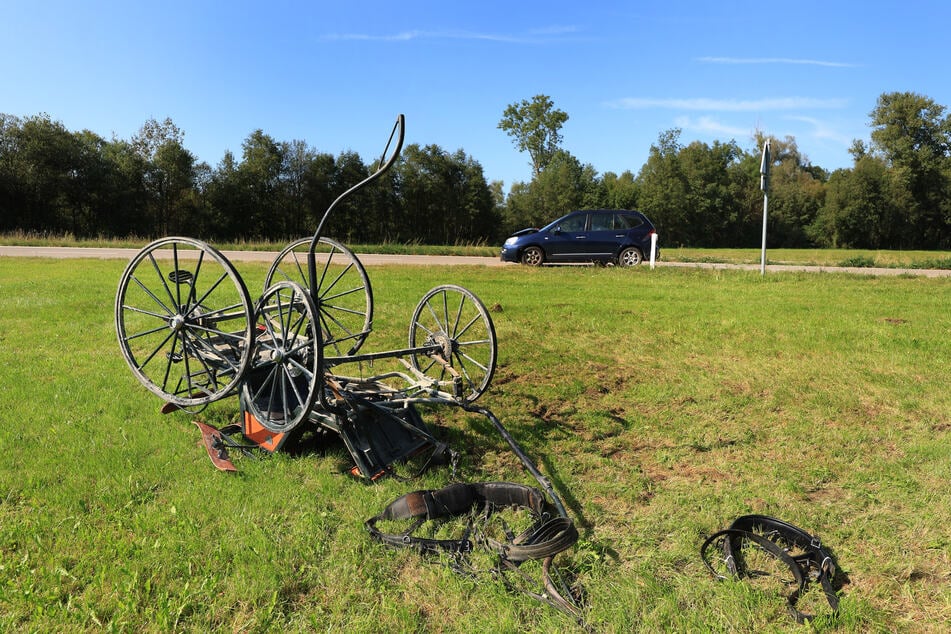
{"points": [[386, 162], [397, 134]]}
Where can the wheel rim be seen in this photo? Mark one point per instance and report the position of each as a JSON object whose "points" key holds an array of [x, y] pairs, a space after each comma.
{"points": [[456, 321], [344, 298], [630, 257], [532, 257], [281, 384], [183, 320]]}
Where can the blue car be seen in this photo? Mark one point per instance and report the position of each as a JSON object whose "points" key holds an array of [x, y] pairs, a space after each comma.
{"points": [[605, 236]]}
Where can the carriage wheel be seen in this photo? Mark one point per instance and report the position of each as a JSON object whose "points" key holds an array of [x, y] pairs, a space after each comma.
{"points": [[282, 381], [454, 319], [343, 297], [183, 318]]}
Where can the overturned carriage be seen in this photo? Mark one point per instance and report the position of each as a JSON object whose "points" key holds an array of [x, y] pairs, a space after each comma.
{"points": [[296, 358]]}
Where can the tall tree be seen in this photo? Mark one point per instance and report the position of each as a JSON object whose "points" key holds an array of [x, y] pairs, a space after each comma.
{"points": [[260, 177], [565, 185], [663, 188], [796, 193], [857, 212], [913, 134], [535, 127], [620, 191]]}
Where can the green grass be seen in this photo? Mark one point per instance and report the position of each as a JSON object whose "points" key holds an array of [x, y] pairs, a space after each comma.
{"points": [[805, 257], [661, 403]]}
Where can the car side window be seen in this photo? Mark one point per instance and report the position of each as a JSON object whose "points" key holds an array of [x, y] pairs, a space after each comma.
{"points": [[627, 221], [573, 224], [602, 222]]}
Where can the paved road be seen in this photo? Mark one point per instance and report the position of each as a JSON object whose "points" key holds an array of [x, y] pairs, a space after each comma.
{"points": [[370, 259]]}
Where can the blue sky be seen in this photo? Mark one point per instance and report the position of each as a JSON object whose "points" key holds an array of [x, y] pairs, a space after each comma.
{"points": [[335, 74]]}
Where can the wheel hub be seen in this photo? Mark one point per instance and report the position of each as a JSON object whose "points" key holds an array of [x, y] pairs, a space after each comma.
{"points": [[176, 323], [446, 344]]}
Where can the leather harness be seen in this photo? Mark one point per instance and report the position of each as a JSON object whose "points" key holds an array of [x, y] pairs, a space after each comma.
{"points": [[779, 539], [550, 533]]}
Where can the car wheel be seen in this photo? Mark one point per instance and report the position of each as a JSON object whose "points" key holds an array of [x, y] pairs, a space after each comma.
{"points": [[630, 256], [533, 256]]}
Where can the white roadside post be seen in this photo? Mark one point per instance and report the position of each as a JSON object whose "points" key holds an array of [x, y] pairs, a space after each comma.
{"points": [[653, 249], [764, 185]]}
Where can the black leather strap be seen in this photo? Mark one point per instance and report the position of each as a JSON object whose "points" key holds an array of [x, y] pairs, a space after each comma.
{"points": [[550, 535], [778, 539]]}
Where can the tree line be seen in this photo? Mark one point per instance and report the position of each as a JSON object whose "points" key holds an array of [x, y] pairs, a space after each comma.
{"points": [[896, 195]]}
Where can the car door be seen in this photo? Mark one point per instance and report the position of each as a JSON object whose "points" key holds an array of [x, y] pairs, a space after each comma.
{"points": [[605, 236], [567, 241]]}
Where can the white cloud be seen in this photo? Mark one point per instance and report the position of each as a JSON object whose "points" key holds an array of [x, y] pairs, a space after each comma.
{"points": [[824, 130], [728, 105], [534, 36], [709, 125], [773, 60]]}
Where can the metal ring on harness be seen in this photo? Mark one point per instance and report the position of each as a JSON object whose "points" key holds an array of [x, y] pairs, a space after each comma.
{"points": [[777, 538]]}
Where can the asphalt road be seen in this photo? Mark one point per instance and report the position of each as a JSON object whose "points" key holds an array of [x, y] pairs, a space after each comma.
{"points": [[370, 259]]}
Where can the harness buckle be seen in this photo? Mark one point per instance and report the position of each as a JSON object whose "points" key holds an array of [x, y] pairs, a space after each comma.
{"points": [[730, 563]]}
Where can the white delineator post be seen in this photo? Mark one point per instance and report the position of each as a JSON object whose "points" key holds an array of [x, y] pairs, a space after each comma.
{"points": [[764, 185], [653, 249]]}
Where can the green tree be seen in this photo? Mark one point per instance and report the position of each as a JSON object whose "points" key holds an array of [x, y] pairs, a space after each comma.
{"points": [[913, 135], [713, 211], [296, 171], [857, 212], [535, 127], [172, 178], [444, 196], [620, 191], [42, 167], [565, 185], [168, 175], [259, 176], [357, 212], [796, 194], [663, 189]]}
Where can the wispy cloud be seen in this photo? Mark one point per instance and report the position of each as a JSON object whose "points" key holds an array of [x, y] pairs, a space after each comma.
{"points": [[728, 105], [533, 36], [709, 125], [823, 130], [773, 60]]}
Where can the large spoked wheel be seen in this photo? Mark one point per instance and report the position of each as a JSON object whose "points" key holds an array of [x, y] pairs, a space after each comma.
{"points": [[343, 296], [281, 384], [183, 318], [456, 324]]}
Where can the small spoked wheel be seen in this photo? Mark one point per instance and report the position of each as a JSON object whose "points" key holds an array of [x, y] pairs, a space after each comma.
{"points": [[281, 384], [183, 319], [456, 326], [343, 295]]}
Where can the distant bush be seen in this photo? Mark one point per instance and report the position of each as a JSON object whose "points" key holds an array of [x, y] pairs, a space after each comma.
{"points": [[936, 263], [858, 261]]}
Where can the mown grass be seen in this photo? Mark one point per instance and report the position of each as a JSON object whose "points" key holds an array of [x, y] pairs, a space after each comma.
{"points": [[661, 403], [803, 257]]}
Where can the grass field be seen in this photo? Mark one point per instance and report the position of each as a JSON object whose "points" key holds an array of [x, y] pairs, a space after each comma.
{"points": [[662, 404], [804, 257]]}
